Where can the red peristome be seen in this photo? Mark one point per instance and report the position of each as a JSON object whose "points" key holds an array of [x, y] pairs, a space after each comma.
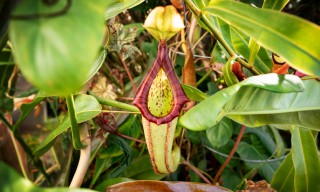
{"points": [[179, 97]]}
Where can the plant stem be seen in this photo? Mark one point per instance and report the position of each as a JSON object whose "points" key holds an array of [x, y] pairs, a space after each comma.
{"points": [[128, 72], [114, 103], [204, 77], [197, 172], [84, 158], [107, 111], [218, 36], [230, 155], [131, 138], [77, 144], [4, 120]]}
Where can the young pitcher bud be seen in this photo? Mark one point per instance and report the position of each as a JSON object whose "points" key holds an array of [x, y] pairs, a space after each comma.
{"points": [[163, 23]]}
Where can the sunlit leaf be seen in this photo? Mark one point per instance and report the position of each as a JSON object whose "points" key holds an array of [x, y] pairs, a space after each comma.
{"points": [[210, 111], [86, 107], [57, 53]]}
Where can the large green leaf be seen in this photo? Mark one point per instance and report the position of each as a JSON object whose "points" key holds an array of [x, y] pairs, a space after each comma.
{"points": [[287, 35], [274, 4], [305, 160], [283, 179], [56, 53], [115, 7], [264, 137], [221, 133], [86, 107], [265, 108], [256, 151], [210, 111], [12, 181]]}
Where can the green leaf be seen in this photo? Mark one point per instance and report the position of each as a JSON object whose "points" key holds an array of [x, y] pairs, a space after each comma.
{"points": [[279, 142], [256, 151], [262, 61], [195, 137], [121, 39], [115, 7], [254, 48], [230, 178], [108, 182], [139, 26], [305, 160], [132, 128], [100, 166], [212, 88], [193, 93], [217, 55], [288, 35], [229, 76], [126, 150], [283, 179], [275, 108], [86, 107], [264, 137], [56, 53], [210, 111], [98, 63], [12, 181], [138, 165], [274, 4], [221, 133]]}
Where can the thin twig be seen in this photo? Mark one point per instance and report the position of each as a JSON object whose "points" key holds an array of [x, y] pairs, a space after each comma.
{"points": [[230, 155], [128, 72], [131, 138], [197, 172], [47, 171], [108, 111], [200, 40]]}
